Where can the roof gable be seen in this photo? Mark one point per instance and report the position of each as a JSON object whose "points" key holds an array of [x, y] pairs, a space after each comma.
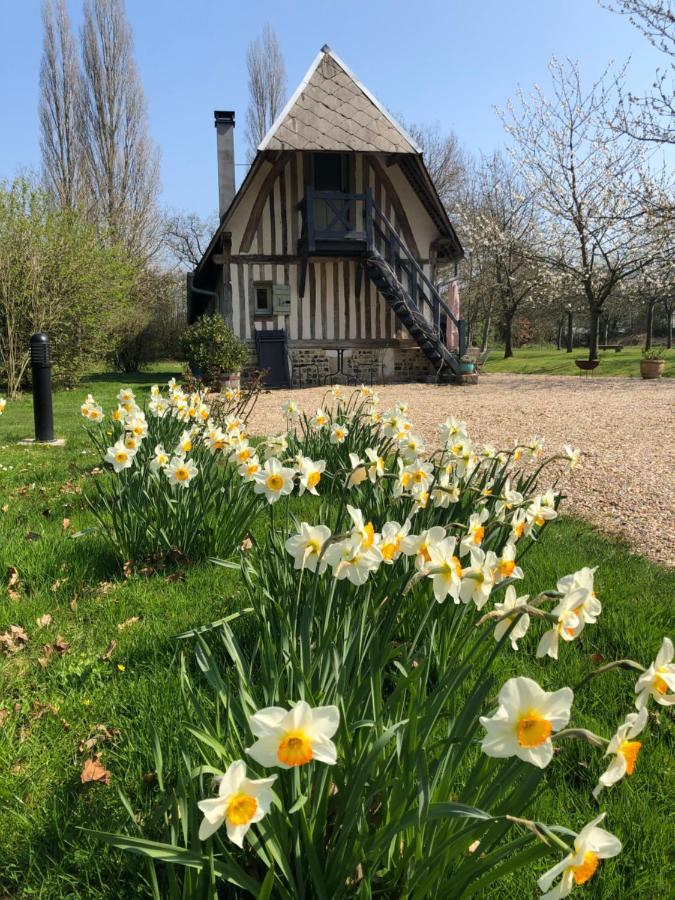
{"points": [[332, 110]]}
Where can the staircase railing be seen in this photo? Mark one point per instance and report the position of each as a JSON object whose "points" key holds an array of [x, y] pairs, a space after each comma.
{"points": [[420, 288]]}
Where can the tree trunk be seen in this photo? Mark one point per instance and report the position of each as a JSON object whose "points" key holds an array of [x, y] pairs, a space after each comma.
{"points": [[486, 333], [559, 337], [650, 325], [508, 337], [669, 317], [594, 316], [570, 331]]}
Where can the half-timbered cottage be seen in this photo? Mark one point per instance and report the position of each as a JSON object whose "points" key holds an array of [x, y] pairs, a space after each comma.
{"points": [[326, 258]]}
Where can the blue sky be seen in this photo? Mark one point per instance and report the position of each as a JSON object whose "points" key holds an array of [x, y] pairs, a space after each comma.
{"points": [[450, 62]]}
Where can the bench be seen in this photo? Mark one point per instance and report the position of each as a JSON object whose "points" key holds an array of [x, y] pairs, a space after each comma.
{"points": [[616, 347]]}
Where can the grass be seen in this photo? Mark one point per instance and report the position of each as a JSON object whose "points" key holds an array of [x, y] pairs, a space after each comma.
{"points": [[49, 710], [546, 360]]}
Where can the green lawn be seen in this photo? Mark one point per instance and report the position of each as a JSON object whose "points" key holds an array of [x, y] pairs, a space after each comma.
{"points": [[48, 710], [546, 360]]}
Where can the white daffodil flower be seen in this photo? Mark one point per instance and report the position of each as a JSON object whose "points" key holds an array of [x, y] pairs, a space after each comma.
{"points": [[160, 459], [181, 471], [524, 721], [518, 525], [506, 564], [350, 560], [538, 512], [658, 681], [377, 463], [418, 545], [186, 442], [305, 547], [568, 626], [365, 531], [535, 447], [137, 425], [624, 749], [478, 579], [310, 475], [319, 420], [241, 802], [295, 737], [276, 446], [242, 453], [290, 409], [572, 455], [445, 569], [119, 456], [3, 406], [590, 846], [274, 480], [587, 606], [411, 446], [338, 433], [391, 539], [126, 396], [95, 413], [250, 469], [359, 472], [452, 431], [512, 603], [475, 532]]}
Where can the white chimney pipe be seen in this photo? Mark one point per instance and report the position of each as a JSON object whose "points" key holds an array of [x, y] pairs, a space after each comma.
{"points": [[224, 122]]}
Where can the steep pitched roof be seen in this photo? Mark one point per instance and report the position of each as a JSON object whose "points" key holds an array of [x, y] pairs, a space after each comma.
{"points": [[332, 110]]}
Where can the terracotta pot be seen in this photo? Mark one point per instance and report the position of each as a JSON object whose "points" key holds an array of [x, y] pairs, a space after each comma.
{"points": [[652, 368]]}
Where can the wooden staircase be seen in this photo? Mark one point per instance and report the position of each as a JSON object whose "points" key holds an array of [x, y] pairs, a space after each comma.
{"points": [[421, 329]]}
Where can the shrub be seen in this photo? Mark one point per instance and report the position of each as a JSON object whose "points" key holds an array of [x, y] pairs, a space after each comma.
{"points": [[654, 353], [358, 684], [212, 348]]}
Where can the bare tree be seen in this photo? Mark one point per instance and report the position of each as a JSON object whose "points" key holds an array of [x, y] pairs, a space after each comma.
{"points": [[585, 179], [652, 117], [186, 236], [444, 159], [120, 160], [266, 86], [59, 78]]}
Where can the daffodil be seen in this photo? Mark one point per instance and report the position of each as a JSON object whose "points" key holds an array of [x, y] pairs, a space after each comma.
{"points": [[452, 430], [351, 560], [181, 471], [290, 409], [571, 455], [624, 749], [478, 579], [658, 681], [242, 453], [3, 405], [250, 469], [126, 396], [154, 391], [364, 531], [512, 604], [506, 564], [390, 540], [338, 433], [524, 721], [507, 500], [586, 606], [419, 545], [535, 447], [567, 627], [241, 802], [137, 425], [306, 545], [446, 491], [358, 474], [377, 464], [475, 531], [295, 737], [186, 442], [95, 413], [445, 569], [319, 420], [310, 475], [120, 457], [590, 846], [274, 480], [276, 446], [160, 459]]}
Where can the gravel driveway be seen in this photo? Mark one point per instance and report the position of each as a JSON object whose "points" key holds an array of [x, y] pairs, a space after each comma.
{"points": [[625, 482]]}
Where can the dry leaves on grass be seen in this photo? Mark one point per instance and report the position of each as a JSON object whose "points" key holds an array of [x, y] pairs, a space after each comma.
{"points": [[108, 652], [66, 524], [101, 734], [43, 621], [132, 621], [14, 639], [94, 772], [60, 647], [13, 582]]}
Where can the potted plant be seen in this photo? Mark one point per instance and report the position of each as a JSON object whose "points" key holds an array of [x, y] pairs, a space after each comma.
{"points": [[652, 363], [214, 352], [467, 365]]}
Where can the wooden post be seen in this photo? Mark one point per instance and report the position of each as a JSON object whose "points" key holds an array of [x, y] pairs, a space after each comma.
{"points": [[309, 218]]}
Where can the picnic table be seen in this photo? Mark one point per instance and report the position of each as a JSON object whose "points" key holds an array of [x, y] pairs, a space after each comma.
{"points": [[615, 347]]}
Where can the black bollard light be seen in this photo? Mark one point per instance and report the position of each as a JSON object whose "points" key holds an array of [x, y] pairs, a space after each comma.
{"points": [[41, 366]]}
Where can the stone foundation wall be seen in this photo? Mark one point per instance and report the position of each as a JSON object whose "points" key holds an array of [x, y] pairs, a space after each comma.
{"points": [[311, 365]]}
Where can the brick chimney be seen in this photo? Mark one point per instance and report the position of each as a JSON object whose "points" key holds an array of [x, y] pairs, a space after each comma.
{"points": [[224, 122]]}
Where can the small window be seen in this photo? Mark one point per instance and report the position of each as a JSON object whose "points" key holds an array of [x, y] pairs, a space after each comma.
{"points": [[262, 292]]}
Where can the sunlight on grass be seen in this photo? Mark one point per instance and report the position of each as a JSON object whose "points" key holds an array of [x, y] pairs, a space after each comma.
{"points": [[549, 361]]}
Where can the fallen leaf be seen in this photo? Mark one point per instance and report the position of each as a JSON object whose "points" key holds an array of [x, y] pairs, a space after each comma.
{"points": [[57, 584], [4, 715], [128, 568], [175, 576], [43, 621], [246, 544], [597, 658], [94, 772], [5, 507], [14, 639], [109, 651], [105, 586], [66, 524], [96, 471], [101, 735], [73, 603], [61, 646], [149, 777], [131, 621], [12, 576], [47, 651]]}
